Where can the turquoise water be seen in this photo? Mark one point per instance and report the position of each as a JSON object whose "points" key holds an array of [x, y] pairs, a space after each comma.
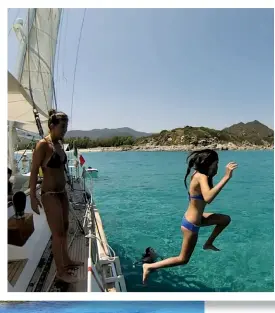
{"points": [[104, 307], [141, 198]]}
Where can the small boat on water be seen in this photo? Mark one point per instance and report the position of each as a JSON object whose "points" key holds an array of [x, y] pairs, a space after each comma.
{"points": [[31, 94], [93, 172]]}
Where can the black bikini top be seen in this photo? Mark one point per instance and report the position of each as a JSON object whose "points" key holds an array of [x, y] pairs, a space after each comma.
{"points": [[55, 160]]}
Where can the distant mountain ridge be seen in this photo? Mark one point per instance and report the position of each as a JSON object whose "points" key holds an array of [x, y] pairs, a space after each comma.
{"points": [[254, 128], [251, 133], [106, 133]]}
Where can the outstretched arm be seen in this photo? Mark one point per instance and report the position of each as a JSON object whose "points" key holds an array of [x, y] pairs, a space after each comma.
{"points": [[210, 194]]}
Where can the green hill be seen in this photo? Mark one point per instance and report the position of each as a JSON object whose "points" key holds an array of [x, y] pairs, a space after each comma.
{"points": [[250, 135], [253, 133]]}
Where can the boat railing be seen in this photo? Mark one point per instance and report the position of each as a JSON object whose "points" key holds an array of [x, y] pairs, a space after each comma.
{"points": [[100, 254], [103, 254], [88, 226]]}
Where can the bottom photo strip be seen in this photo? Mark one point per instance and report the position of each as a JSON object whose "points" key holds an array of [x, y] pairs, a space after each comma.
{"points": [[133, 307]]}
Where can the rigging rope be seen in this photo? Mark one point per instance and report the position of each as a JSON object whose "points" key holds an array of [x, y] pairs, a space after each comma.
{"points": [[36, 115], [39, 64], [64, 49], [90, 208], [35, 112], [32, 141], [57, 59], [52, 62], [79, 39]]}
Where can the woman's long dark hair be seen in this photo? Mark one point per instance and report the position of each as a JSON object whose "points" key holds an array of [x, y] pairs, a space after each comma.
{"points": [[201, 161]]}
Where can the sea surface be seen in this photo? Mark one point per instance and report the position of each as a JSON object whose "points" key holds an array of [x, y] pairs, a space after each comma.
{"points": [[103, 307], [142, 198]]}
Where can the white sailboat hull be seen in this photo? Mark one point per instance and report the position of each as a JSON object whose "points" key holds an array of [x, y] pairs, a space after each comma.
{"points": [[31, 251]]}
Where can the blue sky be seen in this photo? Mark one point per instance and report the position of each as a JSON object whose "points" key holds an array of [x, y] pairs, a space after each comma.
{"points": [[155, 69]]}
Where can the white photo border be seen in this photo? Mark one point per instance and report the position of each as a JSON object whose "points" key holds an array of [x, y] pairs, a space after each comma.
{"points": [[150, 296]]}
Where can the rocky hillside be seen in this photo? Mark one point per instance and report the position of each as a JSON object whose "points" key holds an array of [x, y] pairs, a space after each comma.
{"points": [[249, 134], [252, 131]]}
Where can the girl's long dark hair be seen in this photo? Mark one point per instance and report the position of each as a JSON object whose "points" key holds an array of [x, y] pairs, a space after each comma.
{"points": [[201, 161], [147, 252]]}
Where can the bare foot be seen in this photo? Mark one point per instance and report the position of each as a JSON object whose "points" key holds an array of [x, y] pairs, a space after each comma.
{"points": [[67, 278], [146, 272], [210, 247]]}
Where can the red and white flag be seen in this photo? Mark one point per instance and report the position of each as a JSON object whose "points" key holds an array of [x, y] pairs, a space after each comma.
{"points": [[81, 160]]}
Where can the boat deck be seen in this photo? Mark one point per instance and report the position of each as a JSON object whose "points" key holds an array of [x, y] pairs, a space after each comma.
{"points": [[78, 247], [15, 269], [44, 277]]}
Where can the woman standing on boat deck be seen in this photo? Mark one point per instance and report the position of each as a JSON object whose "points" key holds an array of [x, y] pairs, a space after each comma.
{"points": [[50, 156], [201, 192]]}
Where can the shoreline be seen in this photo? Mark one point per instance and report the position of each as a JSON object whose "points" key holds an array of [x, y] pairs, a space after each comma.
{"points": [[184, 148]]}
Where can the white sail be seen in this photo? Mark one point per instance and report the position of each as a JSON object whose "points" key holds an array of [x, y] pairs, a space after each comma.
{"points": [[20, 110], [38, 41]]}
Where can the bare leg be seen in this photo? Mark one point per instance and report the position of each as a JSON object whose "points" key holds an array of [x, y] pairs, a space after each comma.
{"points": [[221, 221], [188, 246], [68, 263], [53, 210]]}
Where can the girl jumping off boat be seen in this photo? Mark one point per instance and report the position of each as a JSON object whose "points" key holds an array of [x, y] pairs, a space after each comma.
{"points": [[201, 192]]}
